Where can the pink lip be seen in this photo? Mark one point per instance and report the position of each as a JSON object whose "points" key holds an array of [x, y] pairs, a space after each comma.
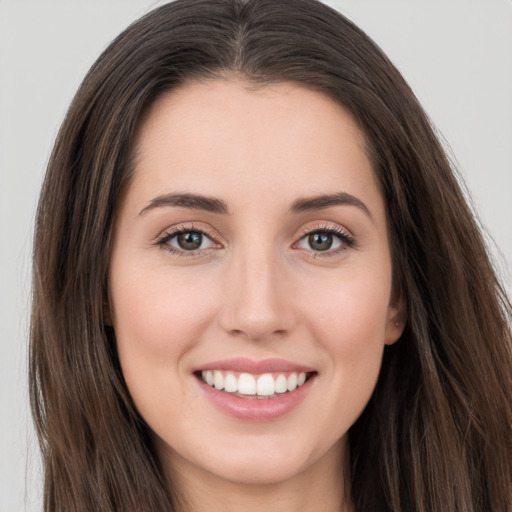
{"points": [[244, 365], [254, 409]]}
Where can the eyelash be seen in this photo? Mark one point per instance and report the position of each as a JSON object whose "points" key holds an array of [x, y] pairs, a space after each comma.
{"points": [[347, 241], [163, 241]]}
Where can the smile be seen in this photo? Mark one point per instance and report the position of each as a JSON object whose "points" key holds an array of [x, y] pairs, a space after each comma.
{"points": [[255, 391], [247, 385]]}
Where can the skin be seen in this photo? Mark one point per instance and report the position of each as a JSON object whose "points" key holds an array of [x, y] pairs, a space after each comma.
{"points": [[256, 290]]}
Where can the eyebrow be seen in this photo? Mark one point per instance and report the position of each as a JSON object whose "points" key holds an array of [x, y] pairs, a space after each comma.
{"points": [[214, 205], [192, 201], [326, 201]]}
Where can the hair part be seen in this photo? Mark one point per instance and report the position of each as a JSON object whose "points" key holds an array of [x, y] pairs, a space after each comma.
{"points": [[436, 434]]}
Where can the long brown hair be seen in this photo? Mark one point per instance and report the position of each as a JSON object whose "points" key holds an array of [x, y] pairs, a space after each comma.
{"points": [[436, 435]]}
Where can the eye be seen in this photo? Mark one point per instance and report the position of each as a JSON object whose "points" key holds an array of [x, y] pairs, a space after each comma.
{"points": [[189, 241], [326, 240], [186, 241]]}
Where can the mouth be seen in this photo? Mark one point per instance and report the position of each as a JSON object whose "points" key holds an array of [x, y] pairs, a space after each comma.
{"points": [[255, 390], [246, 385]]}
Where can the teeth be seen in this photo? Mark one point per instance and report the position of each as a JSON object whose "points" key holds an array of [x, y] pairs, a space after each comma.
{"points": [[292, 381], [248, 384], [218, 380], [231, 383], [280, 385], [265, 385]]}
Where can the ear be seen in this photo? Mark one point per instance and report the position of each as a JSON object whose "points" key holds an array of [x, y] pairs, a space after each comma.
{"points": [[396, 320]]}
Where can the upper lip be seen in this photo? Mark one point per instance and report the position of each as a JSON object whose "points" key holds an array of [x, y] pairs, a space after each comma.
{"points": [[244, 365]]}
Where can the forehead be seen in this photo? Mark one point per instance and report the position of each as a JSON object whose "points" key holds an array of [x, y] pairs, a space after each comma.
{"points": [[225, 137]]}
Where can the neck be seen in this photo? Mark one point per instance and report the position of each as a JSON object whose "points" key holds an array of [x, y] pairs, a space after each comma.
{"points": [[320, 487]]}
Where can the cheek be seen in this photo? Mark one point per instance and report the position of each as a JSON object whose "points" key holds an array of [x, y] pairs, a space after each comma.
{"points": [[157, 320], [349, 319], [156, 312], [352, 308]]}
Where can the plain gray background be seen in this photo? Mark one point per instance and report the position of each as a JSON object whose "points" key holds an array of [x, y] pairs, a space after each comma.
{"points": [[456, 54]]}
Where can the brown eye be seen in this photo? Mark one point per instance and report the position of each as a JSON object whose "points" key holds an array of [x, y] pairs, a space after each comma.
{"points": [[328, 241], [320, 241], [184, 242], [190, 240]]}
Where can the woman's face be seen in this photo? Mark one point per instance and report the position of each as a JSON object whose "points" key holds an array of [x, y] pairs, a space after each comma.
{"points": [[251, 251]]}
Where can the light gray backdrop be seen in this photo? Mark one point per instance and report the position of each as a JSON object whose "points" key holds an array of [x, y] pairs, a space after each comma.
{"points": [[456, 54]]}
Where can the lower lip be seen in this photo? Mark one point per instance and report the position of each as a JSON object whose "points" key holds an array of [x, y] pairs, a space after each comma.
{"points": [[255, 409]]}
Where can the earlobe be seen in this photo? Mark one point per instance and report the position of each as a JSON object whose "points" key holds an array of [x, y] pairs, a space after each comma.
{"points": [[396, 322]]}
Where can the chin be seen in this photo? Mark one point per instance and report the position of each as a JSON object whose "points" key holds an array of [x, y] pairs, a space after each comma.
{"points": [[265, 471], [259, 459]]}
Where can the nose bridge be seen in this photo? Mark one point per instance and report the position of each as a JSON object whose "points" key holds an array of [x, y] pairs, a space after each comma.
{"points": [[255, 304]]}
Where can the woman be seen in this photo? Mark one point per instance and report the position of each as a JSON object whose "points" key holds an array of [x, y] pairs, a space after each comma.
{"points": [[257, 282]]}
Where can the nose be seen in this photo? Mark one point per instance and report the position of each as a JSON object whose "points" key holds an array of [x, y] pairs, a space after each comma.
{"points": [[257, 302]]}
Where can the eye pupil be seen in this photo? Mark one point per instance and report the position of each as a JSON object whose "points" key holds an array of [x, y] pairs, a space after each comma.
{"points": [[190, 240], [320, 241]]}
